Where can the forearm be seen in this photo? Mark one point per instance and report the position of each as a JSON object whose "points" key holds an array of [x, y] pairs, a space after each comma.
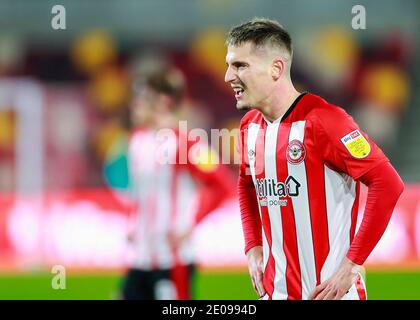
{"points": [[250, 217], [218, 187], [384, 189], [209, 199]]}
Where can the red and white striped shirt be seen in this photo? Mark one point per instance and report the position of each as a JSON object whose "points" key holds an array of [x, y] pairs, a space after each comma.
{"points": [[299, 174], [171, 196]]}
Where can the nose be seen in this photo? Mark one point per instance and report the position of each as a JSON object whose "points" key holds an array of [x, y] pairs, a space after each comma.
{"points": [[229, 75]]}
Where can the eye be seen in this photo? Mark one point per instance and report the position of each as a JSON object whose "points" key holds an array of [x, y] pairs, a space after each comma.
{"points": [[240, 65]]}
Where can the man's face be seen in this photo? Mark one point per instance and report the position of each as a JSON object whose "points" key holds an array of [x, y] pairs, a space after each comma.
{"points": [[143, 107], [249, 74]]}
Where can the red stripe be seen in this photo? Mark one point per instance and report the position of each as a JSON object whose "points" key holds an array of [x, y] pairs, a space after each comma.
{"points": [[293, 272], [354, 212], [244, 151], [180, 276], [150, 210], [361, 291], [315, 175], [148, 207], [173, 210], [269, 272], [179, 272]]}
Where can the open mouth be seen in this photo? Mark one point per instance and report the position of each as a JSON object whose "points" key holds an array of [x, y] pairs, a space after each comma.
{"points": [[238, 92]]}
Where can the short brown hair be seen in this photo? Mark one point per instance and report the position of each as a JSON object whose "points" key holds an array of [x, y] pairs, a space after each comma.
{"points": [[167, 80], [260, 31]]}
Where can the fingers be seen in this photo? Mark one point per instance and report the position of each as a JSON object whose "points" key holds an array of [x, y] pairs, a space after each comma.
{"points": [[259, 284], [317, 290], [338, 296], [330, 293], [254, 284], [322, 294], [255, 265], [177, 239]]}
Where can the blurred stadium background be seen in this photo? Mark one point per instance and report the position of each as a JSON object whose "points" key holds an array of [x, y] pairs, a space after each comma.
{"points": [[63, 124]]}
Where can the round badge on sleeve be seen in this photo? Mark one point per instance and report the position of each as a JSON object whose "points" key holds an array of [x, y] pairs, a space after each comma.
{"points": [[295, 152]]}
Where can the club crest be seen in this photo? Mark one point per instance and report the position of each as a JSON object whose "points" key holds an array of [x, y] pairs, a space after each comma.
{"points": [[295, 152]]}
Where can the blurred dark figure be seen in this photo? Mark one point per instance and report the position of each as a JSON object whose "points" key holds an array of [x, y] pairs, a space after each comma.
{"points": [[174, 184]]}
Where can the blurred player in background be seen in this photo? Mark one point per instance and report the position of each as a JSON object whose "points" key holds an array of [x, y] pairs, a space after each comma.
{"points": [[174, 186], [302, 163]]}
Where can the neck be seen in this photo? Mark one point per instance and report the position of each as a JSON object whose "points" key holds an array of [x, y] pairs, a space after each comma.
{"points": [[281, 101], [165, 121]]}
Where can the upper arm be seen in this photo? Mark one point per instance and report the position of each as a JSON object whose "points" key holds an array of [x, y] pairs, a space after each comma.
{"points": [[344, 145]]}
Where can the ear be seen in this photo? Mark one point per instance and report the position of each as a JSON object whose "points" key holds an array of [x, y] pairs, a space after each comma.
{"points": [[277, 68]]}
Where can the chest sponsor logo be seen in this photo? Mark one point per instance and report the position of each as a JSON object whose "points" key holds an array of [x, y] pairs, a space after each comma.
{"points": [[295, 152], [356, 144], [272, 188]]}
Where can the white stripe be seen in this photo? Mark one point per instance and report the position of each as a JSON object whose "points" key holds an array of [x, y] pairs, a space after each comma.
{"points": [[142, 254], [264, 297], [143, 250], [152, 183], [302, 216], [186, 206], [163, 193], [340, 193], [253, 130], [353, 294], [266, 248], [270, 164]]}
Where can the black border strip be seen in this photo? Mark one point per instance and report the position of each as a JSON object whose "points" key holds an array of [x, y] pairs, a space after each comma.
{"points": [[294, 104]]}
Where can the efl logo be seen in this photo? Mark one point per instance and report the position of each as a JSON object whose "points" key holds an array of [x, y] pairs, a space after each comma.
{"points": [[356, 144]]}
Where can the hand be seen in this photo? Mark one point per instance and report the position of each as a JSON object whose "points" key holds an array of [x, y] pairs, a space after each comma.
{"points": [[176, 239], [338, 285], [255, 266], [131, 237]]}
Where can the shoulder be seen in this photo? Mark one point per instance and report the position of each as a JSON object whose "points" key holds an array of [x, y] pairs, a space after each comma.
{"points": [[136, 132], [137, 137], [250, 117], [325, 113]]}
